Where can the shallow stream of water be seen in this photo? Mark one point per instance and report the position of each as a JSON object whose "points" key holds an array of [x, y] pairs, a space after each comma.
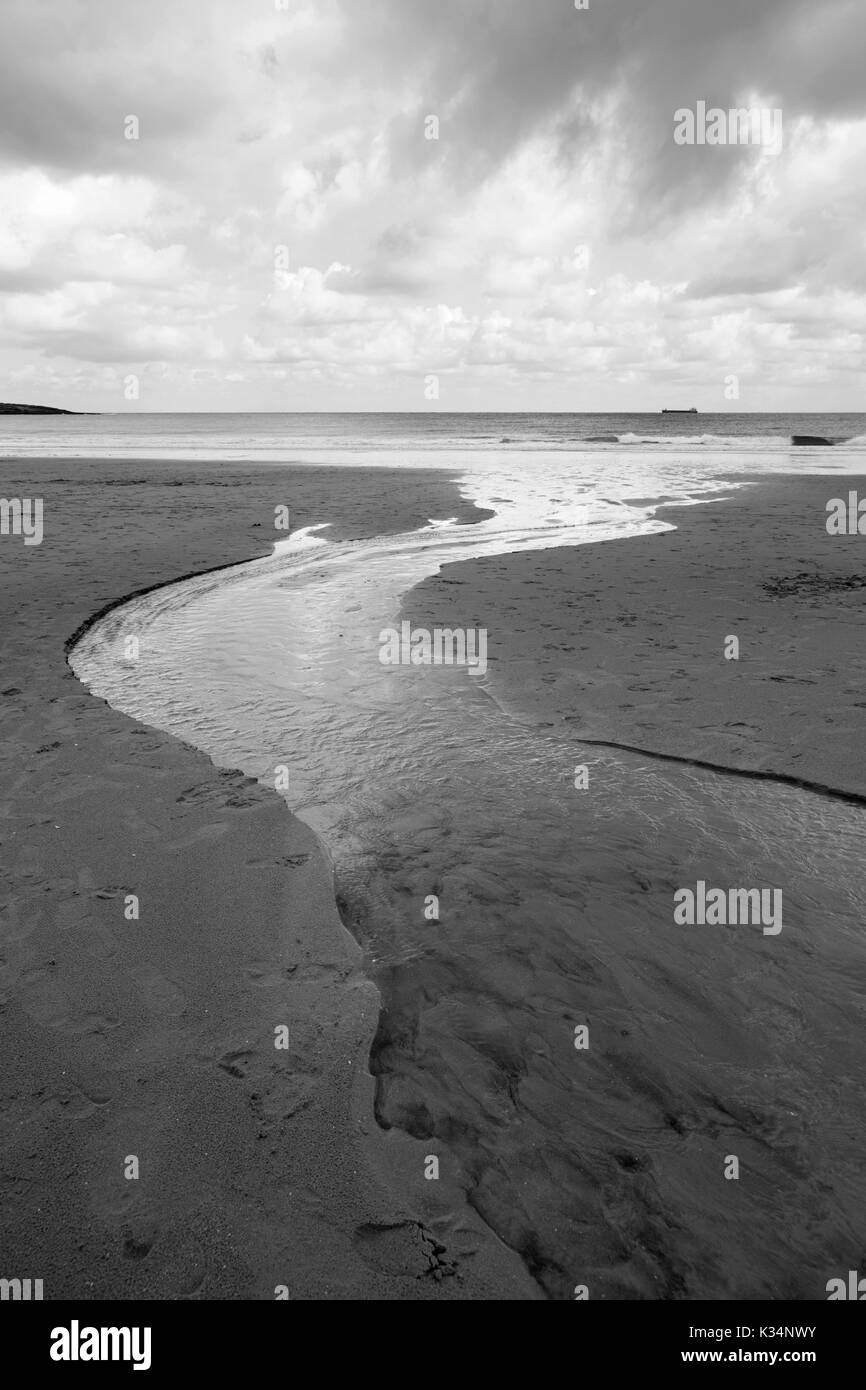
{"points": [[603, 1166]]}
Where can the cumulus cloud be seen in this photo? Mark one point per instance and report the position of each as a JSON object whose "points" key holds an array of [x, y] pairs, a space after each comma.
{"points": [[333, 199]]}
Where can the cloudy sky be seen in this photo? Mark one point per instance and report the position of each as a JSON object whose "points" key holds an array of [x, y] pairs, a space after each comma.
{"points": [[283, 233]]}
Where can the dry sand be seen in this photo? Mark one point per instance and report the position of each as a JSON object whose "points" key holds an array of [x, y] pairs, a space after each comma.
{"points": [[154, 1038], [625, 641]]}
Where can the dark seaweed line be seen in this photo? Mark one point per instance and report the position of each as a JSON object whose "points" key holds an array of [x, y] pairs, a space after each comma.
{"points": [[754, 774]]}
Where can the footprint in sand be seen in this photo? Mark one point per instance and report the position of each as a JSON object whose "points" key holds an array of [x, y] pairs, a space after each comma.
{"points": [[278, 1102], [97, 942], [205, 832], [236, 1063], [139, 828], [75, 914], [281, 1088], [161, 996], [73, 1101], [406, 1247], [45, 1001], [268, 977], [292, 861], [231, 789], [183, 1264], [135, 1247]]}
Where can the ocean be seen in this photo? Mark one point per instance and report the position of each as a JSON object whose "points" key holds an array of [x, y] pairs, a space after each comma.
{"points": [[135, 434]]}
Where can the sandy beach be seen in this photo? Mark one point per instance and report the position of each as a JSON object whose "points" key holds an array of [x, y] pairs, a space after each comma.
{"points": [[261, 1168], [154, 1038], [625, 642], [709, 1043]]}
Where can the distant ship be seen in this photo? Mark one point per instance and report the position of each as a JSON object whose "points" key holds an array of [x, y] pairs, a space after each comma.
{"points": [[692, 410]]}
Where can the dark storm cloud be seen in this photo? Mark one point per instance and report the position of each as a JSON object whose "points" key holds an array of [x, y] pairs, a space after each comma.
{"points": [[494, 71], [497, 73]]}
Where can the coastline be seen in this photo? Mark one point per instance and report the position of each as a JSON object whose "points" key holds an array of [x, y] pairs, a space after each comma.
{"points": [[152, 1039]]}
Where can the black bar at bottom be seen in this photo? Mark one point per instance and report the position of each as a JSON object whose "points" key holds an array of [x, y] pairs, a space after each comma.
{"points": [[163, 1339]]}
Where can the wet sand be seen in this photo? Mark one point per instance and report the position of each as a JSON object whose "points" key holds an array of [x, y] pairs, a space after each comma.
{"points": [[608, 1167], [624, 642], [154, 1039], [166, 1035]]}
